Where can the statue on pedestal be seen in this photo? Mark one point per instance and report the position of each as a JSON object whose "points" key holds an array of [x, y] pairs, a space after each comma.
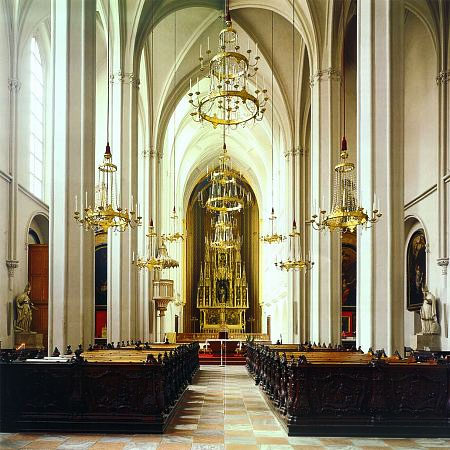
{"points": [[428, 313], [24, 313]]}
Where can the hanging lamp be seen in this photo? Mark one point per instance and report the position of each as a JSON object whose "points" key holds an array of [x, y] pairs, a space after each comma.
{"points": [[231, 100], [273, 237], [346, 213], [175, 235], [106, 211], [296, 259]]}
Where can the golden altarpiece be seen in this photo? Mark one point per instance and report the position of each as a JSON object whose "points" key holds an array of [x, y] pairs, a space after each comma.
{"points": [[222, 290]]}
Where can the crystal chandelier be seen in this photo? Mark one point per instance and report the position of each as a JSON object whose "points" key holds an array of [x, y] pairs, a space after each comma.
{"points": [[226, 191], [346, 213], [231, 100], [151, 261], [296, 260], [274, 237], [107, 212], [163, 258], [223, 237], [175, 235]]}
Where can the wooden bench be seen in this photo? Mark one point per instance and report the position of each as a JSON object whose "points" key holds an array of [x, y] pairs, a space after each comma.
{"points": [[112, 390], [340, 393]]}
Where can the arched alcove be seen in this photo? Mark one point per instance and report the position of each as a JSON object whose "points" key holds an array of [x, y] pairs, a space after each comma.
{"points": [[37, 245]]}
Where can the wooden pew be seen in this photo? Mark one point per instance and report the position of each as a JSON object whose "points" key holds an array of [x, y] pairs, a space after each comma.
{"points": [[337, 393], [109, 390]]}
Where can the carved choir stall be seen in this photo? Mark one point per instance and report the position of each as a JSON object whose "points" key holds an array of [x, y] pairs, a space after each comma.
{"points": [[222, 291], [317, 391], [117, 389]]}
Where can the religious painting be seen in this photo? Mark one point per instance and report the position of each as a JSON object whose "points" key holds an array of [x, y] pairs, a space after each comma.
{"points": [[222, 291], [416, 269], [348, 273], [101, 285]]}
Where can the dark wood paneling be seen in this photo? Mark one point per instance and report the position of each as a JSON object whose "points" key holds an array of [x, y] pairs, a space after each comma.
{"points": [[38, 277]]}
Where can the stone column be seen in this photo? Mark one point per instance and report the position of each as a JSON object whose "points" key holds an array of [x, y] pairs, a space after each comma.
{"points": [[291, 305], [442, 81], [380, 291], [325, 246], [121, 276], [71, 249]]}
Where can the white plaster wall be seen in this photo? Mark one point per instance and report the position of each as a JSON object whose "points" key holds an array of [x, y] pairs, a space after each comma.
{"points": [[421, 110], [5, 294], [4, 96]]}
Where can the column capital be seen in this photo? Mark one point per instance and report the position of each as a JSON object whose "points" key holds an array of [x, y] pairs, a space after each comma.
{"points": [[330, 73], [294, 152], [443, 264], [14, 84], [11, 264], [125, 78], [443, 77]]}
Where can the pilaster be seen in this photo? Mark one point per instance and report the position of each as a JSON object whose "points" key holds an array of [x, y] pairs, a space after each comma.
{"points": [[325, 246], [380, 289], [71, 249], [122, 279]]}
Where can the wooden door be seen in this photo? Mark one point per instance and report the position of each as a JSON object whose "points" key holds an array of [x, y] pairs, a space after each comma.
{"points": [[38, 278]]}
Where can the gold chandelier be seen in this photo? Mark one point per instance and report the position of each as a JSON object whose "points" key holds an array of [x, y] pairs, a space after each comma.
{"points": [[346, 213], [296, 260], [157, 258], [107, 211], [231, 100], [175, 235], [151, 261], [223, 237], [226, 191], [274, 237]]}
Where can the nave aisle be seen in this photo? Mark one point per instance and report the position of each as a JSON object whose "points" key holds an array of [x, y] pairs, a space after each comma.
{"points": [[222, 409]]}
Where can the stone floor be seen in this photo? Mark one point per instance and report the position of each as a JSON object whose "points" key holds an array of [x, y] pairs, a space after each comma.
{"points": [[221, 410]]}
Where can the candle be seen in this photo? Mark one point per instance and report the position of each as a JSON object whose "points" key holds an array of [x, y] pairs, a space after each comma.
{"points": [[85, 196], [197, 84], [190, 84], [200, 50], [248, 43], [256, 49], [323, 202], [133, 257], [131, 204], [76, 203], [208, 43]]}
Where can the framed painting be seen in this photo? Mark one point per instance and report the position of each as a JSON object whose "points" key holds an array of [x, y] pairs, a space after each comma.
{"points": [[416, 269]]}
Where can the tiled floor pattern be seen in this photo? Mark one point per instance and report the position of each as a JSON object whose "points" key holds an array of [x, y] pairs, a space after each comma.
{"points": [[221, 410]]}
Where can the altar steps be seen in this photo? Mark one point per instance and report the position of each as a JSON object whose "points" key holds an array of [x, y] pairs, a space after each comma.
{"points": [[214, 360]]}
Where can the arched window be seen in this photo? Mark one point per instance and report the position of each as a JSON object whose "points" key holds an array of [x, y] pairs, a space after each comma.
{"points": [[36, 164]]}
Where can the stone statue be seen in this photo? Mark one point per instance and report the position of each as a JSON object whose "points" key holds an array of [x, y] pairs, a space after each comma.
{"points": [[24, 308], [428, 313]]}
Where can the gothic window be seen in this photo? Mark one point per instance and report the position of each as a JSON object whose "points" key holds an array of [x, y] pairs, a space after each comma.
{"points": [[36, 155]]}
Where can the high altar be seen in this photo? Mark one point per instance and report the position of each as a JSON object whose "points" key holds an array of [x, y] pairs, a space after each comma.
{"points": [[222, 291]]}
